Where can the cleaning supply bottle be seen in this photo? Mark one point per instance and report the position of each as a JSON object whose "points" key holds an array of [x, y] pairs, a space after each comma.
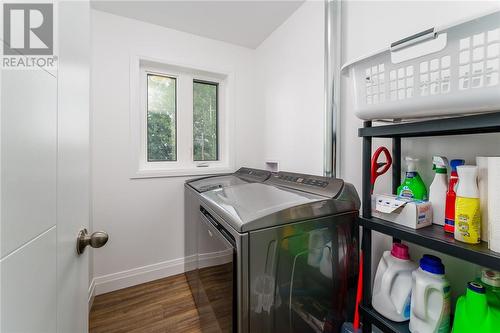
{"points": [[438, 188], [413, 186], [430, 297], [467, 207], [392, 284], [491, 281], [473, 314], [451, 195]]}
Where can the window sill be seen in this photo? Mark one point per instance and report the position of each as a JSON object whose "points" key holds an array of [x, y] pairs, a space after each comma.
{"points": [[163, 173]]}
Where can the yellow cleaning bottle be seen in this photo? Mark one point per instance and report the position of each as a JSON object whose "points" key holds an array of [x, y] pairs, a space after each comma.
{"points": [[467, 211]]}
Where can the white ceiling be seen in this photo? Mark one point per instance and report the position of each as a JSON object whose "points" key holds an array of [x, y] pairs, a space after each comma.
{"points": [[245, 23]]}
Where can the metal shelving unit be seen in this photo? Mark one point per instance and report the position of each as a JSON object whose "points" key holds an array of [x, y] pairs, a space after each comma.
{"points": [[381, 322], [474, 124], [432, 237]]}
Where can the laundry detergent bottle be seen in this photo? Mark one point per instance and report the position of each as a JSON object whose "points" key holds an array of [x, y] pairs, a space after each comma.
{"points": [[438, 188], [467, 207], [430, 297], [451, 195], [413, 186], [473, 314], [392, 285]]}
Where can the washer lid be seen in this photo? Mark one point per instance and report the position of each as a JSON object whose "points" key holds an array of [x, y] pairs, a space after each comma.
{"points": [[215, 182], [241, 176], [254, 206]]}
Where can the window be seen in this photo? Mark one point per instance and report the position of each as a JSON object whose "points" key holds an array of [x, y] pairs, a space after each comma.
{"points": [[161, 118], [205, 139], [180, 124]]}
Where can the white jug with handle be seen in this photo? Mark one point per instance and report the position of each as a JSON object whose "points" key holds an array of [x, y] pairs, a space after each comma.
{"points": [[392, 285], [430, 297]]}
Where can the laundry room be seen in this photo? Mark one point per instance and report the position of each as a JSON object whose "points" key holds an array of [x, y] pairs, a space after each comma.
{"points": [[250, 166]]}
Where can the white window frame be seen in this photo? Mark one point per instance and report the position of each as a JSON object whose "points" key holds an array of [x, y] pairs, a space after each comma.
{"points": [[184, 75]]}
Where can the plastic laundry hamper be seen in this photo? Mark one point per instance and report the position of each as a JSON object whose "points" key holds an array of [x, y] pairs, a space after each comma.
{"points": [[437, 72]]}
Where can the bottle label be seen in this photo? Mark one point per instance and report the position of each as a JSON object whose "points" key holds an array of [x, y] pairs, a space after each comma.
{"points": [[467, 220], [449, 226], [451, 196], [449, 222], [406, 192], [406, 309], [450, 206], [444, 320]]}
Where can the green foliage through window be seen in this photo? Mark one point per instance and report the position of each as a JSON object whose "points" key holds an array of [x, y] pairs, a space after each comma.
{"points": [[205, 141], [161, 118]]}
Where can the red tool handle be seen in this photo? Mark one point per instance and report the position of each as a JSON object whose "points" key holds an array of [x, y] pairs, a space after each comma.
{"points": [[375, 165]]}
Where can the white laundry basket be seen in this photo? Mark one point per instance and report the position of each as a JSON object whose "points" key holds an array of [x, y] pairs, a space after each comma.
{"points": [[437, 72]]}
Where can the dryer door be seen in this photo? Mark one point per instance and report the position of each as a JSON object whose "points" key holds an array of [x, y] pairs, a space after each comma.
{"points": [[303, 275]]}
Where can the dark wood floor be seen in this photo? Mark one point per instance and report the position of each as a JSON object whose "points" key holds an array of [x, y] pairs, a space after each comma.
{"points": [[164, 305]]}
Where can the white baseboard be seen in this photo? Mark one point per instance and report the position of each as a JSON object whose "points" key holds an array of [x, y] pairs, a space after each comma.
{"points": [[214, 258], [115, 281], [91, 293]]}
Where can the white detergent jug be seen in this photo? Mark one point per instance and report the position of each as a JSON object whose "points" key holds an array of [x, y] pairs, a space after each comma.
{"points": [[392, 285], [430, 298]]}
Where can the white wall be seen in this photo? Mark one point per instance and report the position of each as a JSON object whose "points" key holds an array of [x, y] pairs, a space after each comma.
{"points": [[290, 90], [144, 217], [369, 26]]}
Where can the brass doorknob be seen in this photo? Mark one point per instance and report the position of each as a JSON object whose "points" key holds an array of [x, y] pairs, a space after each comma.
{"points": [[96, 240]]}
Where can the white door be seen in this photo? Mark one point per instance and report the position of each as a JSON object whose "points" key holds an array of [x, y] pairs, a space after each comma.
{"points": [[45, 194]]}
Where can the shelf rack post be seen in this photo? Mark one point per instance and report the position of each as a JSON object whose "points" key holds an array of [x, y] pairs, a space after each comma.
{"points": [[366, 244], [396, 170], [396, 164], [366, 177]]}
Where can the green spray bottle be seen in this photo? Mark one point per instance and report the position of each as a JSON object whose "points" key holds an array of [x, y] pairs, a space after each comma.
{"points": [[413, 186], [473, 314]]}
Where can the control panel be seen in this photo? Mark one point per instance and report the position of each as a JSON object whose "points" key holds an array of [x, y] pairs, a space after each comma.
{"points": [[254, 175], [325, 186], [307, 180]]}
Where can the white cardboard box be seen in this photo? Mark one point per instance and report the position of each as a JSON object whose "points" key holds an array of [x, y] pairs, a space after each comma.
{"points": [[408, 212]]}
